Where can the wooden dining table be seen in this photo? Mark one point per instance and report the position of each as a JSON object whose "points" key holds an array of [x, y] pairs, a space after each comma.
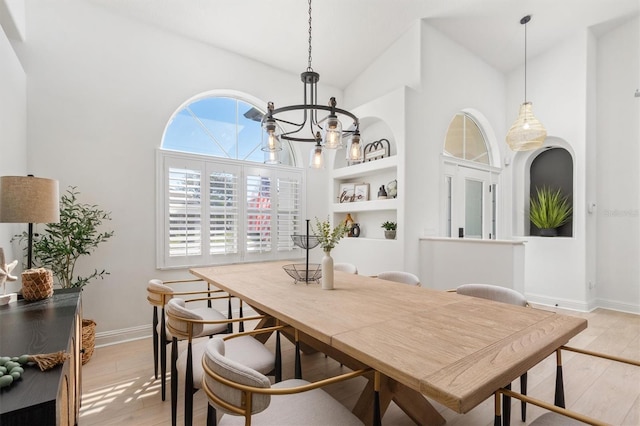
{"points": [[454, 349]]}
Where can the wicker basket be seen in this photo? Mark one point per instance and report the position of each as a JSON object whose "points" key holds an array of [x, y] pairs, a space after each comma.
{"points": [[37, 284], [88, 339]]}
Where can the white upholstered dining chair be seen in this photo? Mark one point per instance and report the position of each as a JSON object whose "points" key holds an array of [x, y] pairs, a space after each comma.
{"points": [[186, 324], [345, 267], [400, 277], [247, 397], [158, 295]]}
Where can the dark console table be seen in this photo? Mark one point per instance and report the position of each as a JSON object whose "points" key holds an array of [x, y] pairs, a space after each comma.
{"points": [[51, 397]]}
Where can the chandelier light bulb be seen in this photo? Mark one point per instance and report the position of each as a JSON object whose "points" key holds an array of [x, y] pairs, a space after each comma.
{"points": [[332, 133], [316, 159], [354, 149]]}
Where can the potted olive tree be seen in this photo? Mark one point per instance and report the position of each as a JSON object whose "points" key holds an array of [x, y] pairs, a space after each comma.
{"points": [[62, 244], [549, 210]]}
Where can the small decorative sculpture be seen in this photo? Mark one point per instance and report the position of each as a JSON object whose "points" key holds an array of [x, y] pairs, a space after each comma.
{"points": [[382, 193], [5, 275]]}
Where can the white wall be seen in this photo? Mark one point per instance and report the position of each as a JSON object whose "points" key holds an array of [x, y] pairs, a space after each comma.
{"points": [[101, 89], [13, 131], [618, 155]]}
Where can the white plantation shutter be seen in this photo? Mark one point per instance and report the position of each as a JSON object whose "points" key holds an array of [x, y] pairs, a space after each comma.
{"points": [[258, 212], [289, 215], [224, 211], [185, 209], [217, 211]]}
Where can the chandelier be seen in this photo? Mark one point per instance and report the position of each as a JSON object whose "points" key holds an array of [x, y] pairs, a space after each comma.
{"points": [[326, 132], [527, 132]]}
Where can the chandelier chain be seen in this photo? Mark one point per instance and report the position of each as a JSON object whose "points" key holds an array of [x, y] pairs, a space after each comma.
{"points": [[309, 68]]}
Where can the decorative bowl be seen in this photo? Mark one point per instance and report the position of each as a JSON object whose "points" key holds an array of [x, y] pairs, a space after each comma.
{"points": [[301, 241], [299, 272]]}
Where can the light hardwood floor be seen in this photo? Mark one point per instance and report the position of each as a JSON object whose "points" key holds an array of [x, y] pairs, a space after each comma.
{"points": [[118, 387]]}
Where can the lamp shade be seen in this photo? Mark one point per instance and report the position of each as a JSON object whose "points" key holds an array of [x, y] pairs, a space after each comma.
{"points": [[526, 133], [29, 199]]}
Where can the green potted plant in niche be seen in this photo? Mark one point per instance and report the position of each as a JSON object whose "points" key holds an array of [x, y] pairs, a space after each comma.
{"points": [[389, 230], [62, 244], [549, 210]]}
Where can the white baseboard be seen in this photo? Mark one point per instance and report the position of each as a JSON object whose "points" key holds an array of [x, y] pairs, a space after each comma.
{"points": [[573, 305], [618, 306], [112, 337]]}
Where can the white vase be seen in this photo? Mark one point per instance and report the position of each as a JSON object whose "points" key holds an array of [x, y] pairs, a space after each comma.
{"points": [[327, 271]]}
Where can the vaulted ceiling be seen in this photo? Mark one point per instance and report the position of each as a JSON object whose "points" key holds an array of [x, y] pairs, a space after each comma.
{"points": [[348, 35]]}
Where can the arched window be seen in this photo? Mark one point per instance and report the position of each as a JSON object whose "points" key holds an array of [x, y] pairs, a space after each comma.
{"points": [[465, 140], [470, 182], [217, 200]]}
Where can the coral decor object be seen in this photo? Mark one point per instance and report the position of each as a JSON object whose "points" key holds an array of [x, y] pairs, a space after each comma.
{"points": [[5, 275]]}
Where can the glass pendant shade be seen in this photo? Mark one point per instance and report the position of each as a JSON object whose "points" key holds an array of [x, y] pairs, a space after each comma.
{"points": [[316, 159], [270, 140], [332, 133], [526, 133], [354, 149], [271, 157]]}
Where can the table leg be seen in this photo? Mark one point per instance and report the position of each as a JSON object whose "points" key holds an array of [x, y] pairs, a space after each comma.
{"points": [[412, 402]]}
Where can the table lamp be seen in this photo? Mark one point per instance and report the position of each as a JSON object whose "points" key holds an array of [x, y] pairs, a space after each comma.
{"points": [[29, 199]]}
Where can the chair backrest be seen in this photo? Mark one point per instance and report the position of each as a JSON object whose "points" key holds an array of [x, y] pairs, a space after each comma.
{"points": [[158, 294], [345, 267], [493, 292], [215, 361], [400, 277], [176, 310]]}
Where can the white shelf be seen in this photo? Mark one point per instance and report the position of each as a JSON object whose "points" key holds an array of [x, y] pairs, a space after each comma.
{"points": [[368, 168], [361, 206]]}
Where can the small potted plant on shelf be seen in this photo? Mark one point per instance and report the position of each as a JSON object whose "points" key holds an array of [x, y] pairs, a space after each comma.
{"points": [[389, 229], [549, 210]]}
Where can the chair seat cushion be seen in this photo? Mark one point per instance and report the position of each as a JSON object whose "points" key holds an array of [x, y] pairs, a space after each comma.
{"points": [[245, 350], [311, 408], [555, 419]]}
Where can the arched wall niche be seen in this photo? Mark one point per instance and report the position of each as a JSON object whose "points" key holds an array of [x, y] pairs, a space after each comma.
{"points": [[547, 165]]}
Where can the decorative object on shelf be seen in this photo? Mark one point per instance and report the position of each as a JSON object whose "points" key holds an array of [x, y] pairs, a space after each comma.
{"points": [[361, 192], [355, 230], [325, 132], [28, 199], [527, 132], [37, 284], [307, 272], [549, 210], [389, 230], [377, 150], [382, 193], [348, 223], [392, 189], [328, 238], [347, 193], [5, 275]]}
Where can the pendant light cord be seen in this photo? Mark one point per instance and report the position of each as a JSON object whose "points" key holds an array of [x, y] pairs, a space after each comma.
{"points": [[309, 63], [525, 61], [524, 21]]}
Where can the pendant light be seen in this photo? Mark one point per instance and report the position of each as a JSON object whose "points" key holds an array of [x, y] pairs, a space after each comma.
{"points": [[526, 133]]}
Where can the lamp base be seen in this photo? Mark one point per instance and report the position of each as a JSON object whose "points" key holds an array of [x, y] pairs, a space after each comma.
{"points": [[5, 299]]}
